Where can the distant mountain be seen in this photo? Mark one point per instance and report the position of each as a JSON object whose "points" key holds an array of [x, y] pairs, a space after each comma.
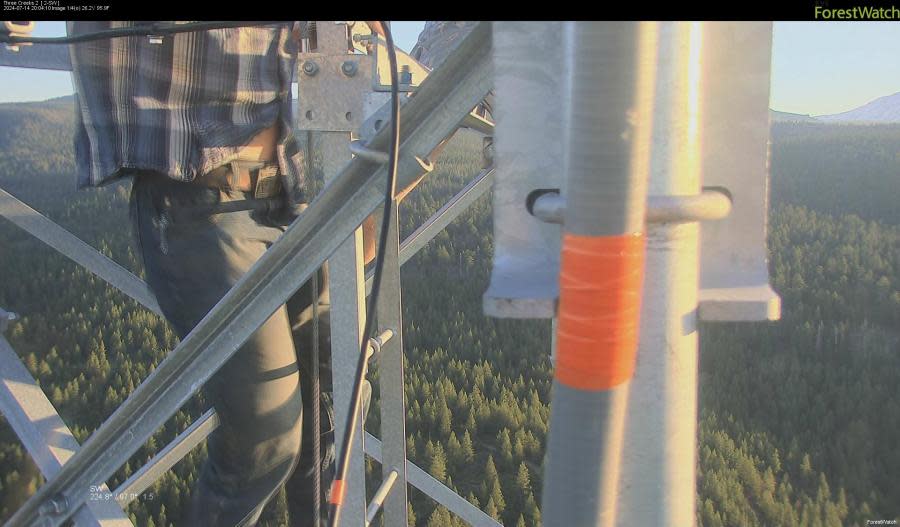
{"points": [[65, 101], [22, 124], [882, 110], [787, 117]]}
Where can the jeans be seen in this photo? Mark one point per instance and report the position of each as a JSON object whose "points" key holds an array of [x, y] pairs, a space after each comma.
{"points": [[262, 393]]}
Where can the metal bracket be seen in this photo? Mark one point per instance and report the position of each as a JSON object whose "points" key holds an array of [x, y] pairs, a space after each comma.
{"points": [[734, 125], [331, 90], [528, 154], [734, 281], [411, 72], [332, 82]]}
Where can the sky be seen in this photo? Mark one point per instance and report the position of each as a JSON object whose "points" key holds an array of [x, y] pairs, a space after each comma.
{"points": [[817, 67]]}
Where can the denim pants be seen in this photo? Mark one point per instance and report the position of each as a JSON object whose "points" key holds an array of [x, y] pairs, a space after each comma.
{"points": [[262, 393]]}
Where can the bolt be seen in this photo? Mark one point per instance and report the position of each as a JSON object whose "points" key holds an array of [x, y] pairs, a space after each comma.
{"points": [[310, 68], [405, 74], [349, 67], [54, 506]]}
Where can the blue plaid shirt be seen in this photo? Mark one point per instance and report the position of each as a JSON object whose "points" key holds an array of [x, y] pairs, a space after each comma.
{"points": [[182, 107]]}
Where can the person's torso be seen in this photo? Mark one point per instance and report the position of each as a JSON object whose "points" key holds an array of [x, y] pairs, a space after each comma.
{"points": [[182, 106]]}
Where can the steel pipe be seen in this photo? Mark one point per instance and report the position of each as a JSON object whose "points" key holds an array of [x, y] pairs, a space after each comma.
{"points": [[711, 204], [380, 495], [607, 145]]}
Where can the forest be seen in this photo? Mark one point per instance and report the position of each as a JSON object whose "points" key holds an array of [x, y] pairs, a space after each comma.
{"points": [[799, 419]]}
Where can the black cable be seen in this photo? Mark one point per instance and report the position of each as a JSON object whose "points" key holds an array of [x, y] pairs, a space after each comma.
{"points": [[154, 29], [316, 390], [337, 490]]}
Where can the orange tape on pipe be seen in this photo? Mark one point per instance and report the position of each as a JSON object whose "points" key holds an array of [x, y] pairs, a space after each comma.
{"points": [[337, 492], [600, 284]]}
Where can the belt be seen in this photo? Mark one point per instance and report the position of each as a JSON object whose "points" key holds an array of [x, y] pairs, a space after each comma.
{"points": [[260, 178]]}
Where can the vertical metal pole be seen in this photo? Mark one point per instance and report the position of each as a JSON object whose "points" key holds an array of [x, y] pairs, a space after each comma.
{"points": [[711, 77], [328, 106], [390, 373], [607, 152], [659, 456], [347, 291]]}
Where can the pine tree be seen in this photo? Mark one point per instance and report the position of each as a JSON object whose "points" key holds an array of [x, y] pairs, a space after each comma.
{"points": [[437, 466], [440, 518], [57, 397], [497, 496], [444, 419], [806, 470], [467, 448], [490, 470], [532, 510], [470, 422], [491, 509], [523, 478], [411, 452], [505, 446], [471, 498], [519, 444], [455, 450]]}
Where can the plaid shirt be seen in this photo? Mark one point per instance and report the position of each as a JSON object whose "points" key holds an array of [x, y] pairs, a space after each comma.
{"points": [[182, 107]]}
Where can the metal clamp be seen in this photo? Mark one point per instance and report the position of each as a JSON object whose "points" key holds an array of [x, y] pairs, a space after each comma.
{"points": [[375, 343]]}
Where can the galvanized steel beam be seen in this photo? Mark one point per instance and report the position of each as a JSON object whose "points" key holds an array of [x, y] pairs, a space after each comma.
{"points": [[70, 246], [47, 438]]}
